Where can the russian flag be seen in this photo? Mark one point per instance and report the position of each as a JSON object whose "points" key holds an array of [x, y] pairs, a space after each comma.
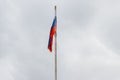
{"points": [[52, 33]]}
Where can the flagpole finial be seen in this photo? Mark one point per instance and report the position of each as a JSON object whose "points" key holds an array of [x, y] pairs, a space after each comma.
{"points": [[55, 7], [55, 10]]}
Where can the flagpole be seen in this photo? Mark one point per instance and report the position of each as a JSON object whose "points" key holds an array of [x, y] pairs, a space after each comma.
{"points": [[56, 47]]}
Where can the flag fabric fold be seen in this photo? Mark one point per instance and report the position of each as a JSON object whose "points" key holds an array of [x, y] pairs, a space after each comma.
{"points": [[52, 33]]}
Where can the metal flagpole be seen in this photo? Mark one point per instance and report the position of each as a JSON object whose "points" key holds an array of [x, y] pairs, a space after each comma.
{"points": [[56, 47]]}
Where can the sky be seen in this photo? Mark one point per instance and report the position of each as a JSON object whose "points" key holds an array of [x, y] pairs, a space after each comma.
{"points": [[88, 39]]}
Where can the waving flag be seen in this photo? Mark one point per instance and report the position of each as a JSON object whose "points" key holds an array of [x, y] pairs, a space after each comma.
{"points": [[52, 33]]}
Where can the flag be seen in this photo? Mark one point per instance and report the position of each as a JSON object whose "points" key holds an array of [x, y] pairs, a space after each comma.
{"points": [[52, 33]]}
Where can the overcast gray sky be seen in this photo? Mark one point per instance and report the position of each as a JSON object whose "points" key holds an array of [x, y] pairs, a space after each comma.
{"points": [[88, 39]]}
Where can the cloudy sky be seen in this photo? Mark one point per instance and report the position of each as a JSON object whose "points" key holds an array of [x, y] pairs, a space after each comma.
{"points": [[88, 39]]}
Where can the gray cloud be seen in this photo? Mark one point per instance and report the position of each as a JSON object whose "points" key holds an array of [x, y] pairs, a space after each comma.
{"points": [[88, 40]]}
